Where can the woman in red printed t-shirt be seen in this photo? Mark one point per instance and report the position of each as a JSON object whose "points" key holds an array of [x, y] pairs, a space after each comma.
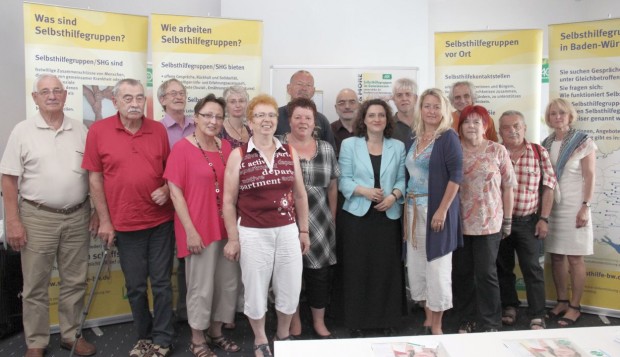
{"points": [[266, 216]]}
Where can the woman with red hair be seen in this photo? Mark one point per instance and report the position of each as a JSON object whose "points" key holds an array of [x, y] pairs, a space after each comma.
{"points": [[486, 209]]}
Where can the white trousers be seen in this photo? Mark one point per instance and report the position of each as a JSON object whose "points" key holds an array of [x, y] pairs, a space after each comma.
{"points": [[428, 281], [270, 254]]}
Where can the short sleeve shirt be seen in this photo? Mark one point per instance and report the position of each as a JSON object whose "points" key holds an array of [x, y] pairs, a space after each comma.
{"points": [[188, 169], [528, 173], [133, 167], [485, 174], [48, 162]]}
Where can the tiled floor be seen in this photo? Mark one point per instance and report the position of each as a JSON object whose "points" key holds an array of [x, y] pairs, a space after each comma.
{"points": [[118, 339]]}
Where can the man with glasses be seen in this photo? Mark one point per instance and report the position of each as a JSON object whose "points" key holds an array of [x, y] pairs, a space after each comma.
{"points": [[51, 220], [302, 86], [172, 96], [346, 108], [126, 156]]}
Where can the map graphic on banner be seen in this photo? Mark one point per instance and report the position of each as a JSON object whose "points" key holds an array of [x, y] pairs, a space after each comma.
{"points": [[585, 70], [89, 51], [504, 66], [206, 54]]}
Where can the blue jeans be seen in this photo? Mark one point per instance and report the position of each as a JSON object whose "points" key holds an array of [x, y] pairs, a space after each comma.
{"points": [[147, 255], [527, 246], [474, 281]]}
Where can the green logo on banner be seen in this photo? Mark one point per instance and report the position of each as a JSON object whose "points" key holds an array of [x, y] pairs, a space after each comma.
{"points": [[149, 77], [387, 76], [545, 70]]}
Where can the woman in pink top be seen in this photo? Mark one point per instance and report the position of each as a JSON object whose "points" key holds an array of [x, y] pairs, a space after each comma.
{"points": [[195, 174], [486, 209]]}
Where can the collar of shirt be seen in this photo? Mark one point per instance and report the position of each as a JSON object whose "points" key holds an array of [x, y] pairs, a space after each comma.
{"points": [[251, 145], [144, 128], [169, 122], [528, 147], [42, 124], [338, 125]]}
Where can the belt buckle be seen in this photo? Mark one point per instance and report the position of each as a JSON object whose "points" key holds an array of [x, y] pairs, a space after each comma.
{"points": [[71, 209]]}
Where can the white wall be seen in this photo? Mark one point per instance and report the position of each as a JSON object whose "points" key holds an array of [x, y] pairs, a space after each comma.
{"points": [[340, 33]]}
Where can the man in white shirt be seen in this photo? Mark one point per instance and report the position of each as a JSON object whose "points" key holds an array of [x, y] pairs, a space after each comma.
{"points": [[51, 220]]}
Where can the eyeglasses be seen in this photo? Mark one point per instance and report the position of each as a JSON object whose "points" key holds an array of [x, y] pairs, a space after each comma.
{"points": [[342, 103], [235, 101], [140, 98], [47, 92], [264, 115], [210, 116], [174, 93]]}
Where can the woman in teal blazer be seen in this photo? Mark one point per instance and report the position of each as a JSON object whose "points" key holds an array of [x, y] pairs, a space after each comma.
{"points": [[373, 182]]}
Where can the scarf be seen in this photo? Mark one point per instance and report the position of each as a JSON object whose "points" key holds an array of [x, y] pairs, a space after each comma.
{"points": [[570, 143]]}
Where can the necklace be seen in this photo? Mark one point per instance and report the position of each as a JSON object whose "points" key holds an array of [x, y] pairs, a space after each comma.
{"points": [[240, 134], [306, 150], [422, 145], [424, 142], [218, 199], [428, 137]]}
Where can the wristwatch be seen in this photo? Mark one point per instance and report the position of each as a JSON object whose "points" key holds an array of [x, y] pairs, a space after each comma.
{"points": [[545, 219], [586, 203]]}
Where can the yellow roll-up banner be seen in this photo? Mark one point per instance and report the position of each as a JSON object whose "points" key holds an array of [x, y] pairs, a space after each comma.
{"points": [[206, 54], [88, 50], [504, 66], [584, 68]]}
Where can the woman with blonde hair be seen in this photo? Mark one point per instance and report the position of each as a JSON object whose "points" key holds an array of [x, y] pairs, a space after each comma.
{"points": [[235, 129], [570, 237], [432, 221]]}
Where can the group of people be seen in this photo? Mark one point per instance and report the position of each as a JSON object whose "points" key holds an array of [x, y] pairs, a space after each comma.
{"points": [[262, 199]]}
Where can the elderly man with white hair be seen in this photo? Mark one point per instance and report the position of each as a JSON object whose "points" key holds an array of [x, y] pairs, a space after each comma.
{"points": [[51, 220]]}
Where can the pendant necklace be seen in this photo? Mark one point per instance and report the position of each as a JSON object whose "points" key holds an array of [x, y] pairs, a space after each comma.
{"points": [[218, 199]]}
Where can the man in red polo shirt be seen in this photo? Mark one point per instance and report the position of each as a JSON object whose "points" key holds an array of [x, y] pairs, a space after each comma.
{"points": [[126, 156]]}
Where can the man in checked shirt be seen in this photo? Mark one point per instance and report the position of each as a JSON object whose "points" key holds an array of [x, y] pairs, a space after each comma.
{"points": [[529, 224]]}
